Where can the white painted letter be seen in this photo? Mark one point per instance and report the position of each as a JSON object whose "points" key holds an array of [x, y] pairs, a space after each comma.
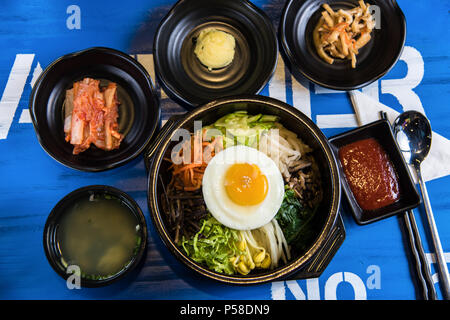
{"points": [[374, 280], [402, 89], [74, 281], [296, 290], [356, 282], [74, 20], [13, 91]]}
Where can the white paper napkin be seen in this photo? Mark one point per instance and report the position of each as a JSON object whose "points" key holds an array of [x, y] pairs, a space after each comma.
{"points": [[436, 164]]}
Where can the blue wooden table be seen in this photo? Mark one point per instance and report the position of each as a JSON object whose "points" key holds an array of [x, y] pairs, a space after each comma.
{"points": [[372, 263]]}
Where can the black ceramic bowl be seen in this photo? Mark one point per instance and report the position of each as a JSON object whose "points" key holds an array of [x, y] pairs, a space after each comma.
{"points": [[328, 231], [180, 72], [373, 61], [51, 245], [139, 112], [381, 131]]}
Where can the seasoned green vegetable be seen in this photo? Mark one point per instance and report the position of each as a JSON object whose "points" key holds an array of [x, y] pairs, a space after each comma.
{"points": [[241, 128], [293, 218], [213, 246]]}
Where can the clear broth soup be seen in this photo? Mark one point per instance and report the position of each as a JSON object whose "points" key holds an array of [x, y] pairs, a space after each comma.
{"points": [[100, 235]]}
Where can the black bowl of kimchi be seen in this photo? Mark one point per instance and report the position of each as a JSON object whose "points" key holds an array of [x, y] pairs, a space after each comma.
{"points": [[325, 232], [136, 118]]}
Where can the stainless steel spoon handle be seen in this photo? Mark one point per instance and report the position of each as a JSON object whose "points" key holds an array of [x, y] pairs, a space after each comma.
{"points": [[440, 259]]}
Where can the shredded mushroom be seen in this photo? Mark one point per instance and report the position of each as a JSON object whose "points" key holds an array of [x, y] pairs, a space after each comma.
{"points": [[285, 149]]}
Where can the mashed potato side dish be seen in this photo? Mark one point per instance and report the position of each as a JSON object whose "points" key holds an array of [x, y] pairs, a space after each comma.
{"points": [[215, 48]]}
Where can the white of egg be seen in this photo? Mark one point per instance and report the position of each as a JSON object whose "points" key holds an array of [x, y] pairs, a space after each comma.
{"points": [[225, 210]]}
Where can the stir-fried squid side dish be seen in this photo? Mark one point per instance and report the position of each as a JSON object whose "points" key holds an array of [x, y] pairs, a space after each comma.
{"points": [[252, 211], [91, 114], [340, 34]]}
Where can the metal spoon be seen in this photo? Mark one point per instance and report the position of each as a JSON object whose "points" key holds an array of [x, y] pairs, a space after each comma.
{"points": [[423, 273], [413, 133]]}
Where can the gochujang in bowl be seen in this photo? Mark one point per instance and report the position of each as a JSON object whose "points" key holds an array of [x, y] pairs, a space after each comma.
{"points": [[374, 175]]}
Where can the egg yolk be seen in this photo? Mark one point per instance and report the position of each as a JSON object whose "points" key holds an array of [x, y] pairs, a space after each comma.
{"points": [[245, 184]]}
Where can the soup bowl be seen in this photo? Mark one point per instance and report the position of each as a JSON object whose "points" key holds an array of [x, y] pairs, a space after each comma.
{"points": [[53, 248], [327, 228]]}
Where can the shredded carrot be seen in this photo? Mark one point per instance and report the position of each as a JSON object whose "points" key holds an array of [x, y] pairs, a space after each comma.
{"points": [[340, 27], [188, 176]]}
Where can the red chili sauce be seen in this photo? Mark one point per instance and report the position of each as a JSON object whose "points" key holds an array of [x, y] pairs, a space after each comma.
{"points": [[370, 174]]}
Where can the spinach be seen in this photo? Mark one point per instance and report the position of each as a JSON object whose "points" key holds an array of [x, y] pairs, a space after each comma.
{"points": [[293, 218]]}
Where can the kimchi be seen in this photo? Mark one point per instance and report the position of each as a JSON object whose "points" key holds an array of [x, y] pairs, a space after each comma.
{"points": [[91, 114]]}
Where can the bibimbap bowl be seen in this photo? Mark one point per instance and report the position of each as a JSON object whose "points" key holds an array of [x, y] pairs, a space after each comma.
{"points": [[325, 229]]}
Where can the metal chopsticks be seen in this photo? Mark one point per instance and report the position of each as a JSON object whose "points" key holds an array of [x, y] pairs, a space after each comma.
{"points": [[420, 262]]}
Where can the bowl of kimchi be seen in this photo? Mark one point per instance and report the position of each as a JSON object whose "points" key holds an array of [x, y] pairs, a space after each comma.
{"points": [[94, 109]]}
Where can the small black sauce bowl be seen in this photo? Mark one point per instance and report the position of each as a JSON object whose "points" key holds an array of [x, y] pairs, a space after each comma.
{"points": [[139, 110], [381, 131], [51, 246]]}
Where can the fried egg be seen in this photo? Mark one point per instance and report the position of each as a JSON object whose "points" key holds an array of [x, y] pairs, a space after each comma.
{"points": [[242, 188]]}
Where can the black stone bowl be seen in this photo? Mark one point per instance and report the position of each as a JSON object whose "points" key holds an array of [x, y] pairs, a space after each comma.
{"points": [[327, 230]]}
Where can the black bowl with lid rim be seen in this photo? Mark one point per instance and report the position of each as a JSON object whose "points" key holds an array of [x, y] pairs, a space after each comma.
{"points": [[329, 231], [52, 247], [139, 110]]}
